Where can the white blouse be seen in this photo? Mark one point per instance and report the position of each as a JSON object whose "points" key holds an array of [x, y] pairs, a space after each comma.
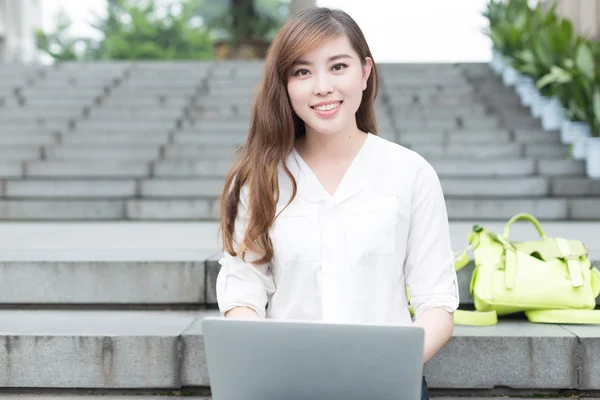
{"points": [[350, 257]]}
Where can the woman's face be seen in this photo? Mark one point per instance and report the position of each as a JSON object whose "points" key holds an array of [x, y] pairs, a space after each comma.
{"points": [[325, 87]]}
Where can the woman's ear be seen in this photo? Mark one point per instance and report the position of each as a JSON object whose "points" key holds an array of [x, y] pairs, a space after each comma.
{"points": [[367, 67]]}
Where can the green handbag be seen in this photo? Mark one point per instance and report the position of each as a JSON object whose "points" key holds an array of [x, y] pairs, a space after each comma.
{"points": [[551, 280]]}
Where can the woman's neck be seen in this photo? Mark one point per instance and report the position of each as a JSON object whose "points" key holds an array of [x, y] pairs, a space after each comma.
{"points": [[330, 147]]}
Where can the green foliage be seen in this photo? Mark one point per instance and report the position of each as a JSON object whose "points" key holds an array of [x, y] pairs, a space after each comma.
{"points": [[134, 30], [58, 44], [183, 29], [139, 32], [539, 44]]}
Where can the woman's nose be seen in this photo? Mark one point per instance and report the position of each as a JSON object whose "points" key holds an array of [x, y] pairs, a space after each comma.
{"points": [[323, 85]]}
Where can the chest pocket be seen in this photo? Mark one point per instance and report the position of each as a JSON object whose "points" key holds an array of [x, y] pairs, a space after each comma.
{"points": [[296, 234], [370, 226]]}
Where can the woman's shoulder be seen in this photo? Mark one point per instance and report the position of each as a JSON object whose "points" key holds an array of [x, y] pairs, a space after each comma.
{"points": [[397, 155]]}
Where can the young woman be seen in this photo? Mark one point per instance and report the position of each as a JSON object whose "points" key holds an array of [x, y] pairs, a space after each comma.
{"points": [[321, 218]]}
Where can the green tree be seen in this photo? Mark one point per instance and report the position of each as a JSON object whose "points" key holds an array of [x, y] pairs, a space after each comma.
{"points": [[58, 44], [136, 30], [140, 32]]}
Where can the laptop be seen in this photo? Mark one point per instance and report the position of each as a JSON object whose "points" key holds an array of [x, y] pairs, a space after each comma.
{"points": [[301, 360]]}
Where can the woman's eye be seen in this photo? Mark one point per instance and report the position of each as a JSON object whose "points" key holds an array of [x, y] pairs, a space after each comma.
{"points": [[339, 67], [301, 72]]}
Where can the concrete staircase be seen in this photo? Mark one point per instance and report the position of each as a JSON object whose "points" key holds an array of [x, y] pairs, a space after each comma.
{"points": [[108, 246], [152, 141], [117, 309]]}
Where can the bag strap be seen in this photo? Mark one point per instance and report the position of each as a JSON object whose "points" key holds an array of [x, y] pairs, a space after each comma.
{"points": [[569, 316], [527, 217], [464, 257], [475, 318], [573, 262]]}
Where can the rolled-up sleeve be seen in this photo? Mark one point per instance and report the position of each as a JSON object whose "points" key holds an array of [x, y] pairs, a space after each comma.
{"points": [[429, 263], [240, 283]]}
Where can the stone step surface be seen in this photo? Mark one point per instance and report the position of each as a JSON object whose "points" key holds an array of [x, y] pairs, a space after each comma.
{"points": [[164, 350], [111, 206], [454, 187], [130, 126], [164, 263]]}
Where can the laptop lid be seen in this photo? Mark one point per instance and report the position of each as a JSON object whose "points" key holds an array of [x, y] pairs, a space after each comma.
{"points": [[275, 359]]}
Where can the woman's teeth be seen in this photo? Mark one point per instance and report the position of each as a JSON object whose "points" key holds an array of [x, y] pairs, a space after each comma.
{"points": [[327, 107]]}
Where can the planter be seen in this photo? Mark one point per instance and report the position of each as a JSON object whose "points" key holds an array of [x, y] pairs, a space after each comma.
{"points": [[527, 91], [579, 148], [497, 64], [510, 76], [592, 165], [571, 131], [538, 102], [552, 115]]}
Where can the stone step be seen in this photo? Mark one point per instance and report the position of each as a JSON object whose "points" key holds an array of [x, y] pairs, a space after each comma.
{"points": [[440, 136], [83, 97], [220, 113], [128, 125], [129, 90], [34, 126], [551, 151], [123, 130], [206, 209], [20, 153], [480, 151], [508, 167], [536, 136], [431, 101], [428, 87], [557, 208], [11, 169], [208, 139], [145, 243], [79, 140], [222, 126], [72, 188], [447, 124], [134, 153], [497, 187], [15, 117], [135, 103], [149, 113], [58, 103], [404, 112], [87, 169], [174, 186], [182, 152], [541, 356]]}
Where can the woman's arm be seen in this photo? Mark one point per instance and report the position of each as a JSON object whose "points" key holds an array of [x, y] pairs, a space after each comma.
{"points": [[438, 325], [243, 288], [429, 264]]}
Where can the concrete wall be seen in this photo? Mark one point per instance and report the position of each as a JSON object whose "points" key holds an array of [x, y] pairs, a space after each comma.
{"points": [[585, 14], [18, 21]]}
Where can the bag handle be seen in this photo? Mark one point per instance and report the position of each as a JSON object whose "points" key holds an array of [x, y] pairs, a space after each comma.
{"points": [[527, 217]]}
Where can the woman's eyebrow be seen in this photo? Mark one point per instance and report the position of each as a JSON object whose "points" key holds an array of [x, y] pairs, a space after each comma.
{"points": [[330, 59]]}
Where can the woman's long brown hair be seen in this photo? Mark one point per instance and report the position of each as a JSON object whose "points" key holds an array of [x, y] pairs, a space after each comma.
{"points": [[274, 126]]}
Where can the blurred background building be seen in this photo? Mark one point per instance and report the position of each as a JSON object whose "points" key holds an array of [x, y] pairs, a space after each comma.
{"points": [[585, 15], [18, 21]]}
